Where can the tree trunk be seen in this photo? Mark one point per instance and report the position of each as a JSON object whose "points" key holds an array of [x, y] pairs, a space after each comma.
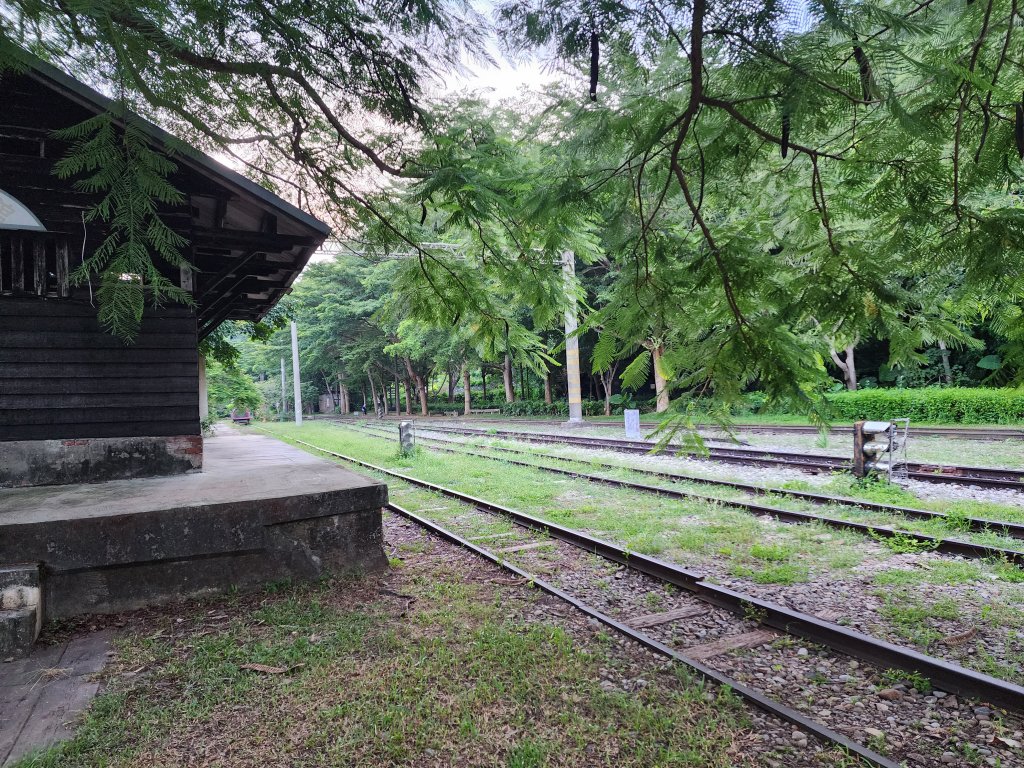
{"points": [[373, 393], [467, 403], [408, 398], [421, 388], [398, 396], [847, 366], [660, 382], [547, 387], [424, 410], [451, 386], [945, 363], [608, 384], [510, 393], [483, 381]]}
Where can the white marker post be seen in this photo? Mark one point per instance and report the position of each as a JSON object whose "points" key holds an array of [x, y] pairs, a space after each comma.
{"points": [[632, 423], [284, 382], [572, 343], [296, 385]]}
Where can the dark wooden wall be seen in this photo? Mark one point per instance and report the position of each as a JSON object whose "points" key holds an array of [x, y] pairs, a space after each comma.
{"points": [[62, 376], [28, 151]]}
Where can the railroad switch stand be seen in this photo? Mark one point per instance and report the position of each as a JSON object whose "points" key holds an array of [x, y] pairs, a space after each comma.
{"points": [[880, 447]]}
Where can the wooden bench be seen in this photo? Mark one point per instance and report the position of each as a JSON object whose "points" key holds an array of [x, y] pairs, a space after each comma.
{"points": [[485, 410], [243, 418]]}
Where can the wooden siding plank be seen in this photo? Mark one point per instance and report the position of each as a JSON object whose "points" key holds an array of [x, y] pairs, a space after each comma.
{"points": [[86, 324], [14, 418], [73, 431], [124, 355], [88, 371], [17, 265], [63, 288], [15, 307], [38, 266], [58, 386], [56, 340], [92, 400]]}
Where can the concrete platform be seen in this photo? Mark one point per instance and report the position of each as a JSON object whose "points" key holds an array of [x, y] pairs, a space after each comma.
{"points": [[259, 511]]}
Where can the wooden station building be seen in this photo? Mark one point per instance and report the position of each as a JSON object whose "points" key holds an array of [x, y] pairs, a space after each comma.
{"points": [[101, 509], [76, 403]]}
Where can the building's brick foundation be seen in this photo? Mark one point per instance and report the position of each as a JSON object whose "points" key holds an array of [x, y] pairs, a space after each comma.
{"points": [[96, 459]]}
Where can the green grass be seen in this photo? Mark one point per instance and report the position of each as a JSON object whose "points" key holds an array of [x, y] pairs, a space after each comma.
{"points": [[698, 534], [915, 618], [937, 572], [460, 676], [691, 532]]}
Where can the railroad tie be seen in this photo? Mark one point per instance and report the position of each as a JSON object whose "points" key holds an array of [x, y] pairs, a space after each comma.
{"points": [[654, 619], [491, 536], [726, 644], [522, 547]]}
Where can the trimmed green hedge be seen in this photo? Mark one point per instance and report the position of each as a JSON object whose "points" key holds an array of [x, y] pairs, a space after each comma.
{"points": [[557, 408], [946, 405]]}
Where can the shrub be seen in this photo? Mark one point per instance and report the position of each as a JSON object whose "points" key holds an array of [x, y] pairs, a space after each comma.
{"points": [[947, 405]]}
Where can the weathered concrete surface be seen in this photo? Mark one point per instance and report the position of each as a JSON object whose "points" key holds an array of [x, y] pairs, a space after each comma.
{"points": [[21, 614], [96, 459], [260, 511], [42, 695]]}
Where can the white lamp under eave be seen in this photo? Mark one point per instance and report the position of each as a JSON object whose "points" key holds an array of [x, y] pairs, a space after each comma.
{"points": [[14, 215]]}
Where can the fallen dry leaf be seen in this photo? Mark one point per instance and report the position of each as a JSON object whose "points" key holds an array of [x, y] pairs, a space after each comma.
{"points": [[961, 638], [265, 669]]}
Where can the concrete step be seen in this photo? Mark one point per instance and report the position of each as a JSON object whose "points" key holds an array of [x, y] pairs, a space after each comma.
{"points": [[21, 611]]}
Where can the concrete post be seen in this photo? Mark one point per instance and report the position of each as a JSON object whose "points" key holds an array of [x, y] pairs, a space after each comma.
{"points": [[572, 344], [204, 394], [296, 384], [284, 399], [632, 423], [406, 437]]}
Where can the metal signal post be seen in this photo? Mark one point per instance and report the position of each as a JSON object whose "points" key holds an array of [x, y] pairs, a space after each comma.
{"points": [[881, 447]]}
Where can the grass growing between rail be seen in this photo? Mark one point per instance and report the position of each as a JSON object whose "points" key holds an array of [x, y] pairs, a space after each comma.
{"points": [[687, 531], [953, 526], [838, 485], [708, 535], [431, 664]]}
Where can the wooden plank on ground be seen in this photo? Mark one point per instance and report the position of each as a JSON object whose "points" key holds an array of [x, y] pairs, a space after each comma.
{"points": [[491, 536], [654, 619], [730, 643], [522, 547]]}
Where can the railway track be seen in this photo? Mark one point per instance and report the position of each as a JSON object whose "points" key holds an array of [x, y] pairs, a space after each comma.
{"points": [[700, 603], [948, 546], [988, 477], [962, 433]]}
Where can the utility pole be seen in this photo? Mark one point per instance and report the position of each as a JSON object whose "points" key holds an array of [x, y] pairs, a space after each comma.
{"points": [[284, 381], [572, 343], [296, 385]]}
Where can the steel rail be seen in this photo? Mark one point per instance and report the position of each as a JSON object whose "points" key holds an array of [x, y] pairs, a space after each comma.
{"points": [[946, 546], [975, 524], [947, 676], [970, 433], [964, 433], [1010, 479], [751, 695]]}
